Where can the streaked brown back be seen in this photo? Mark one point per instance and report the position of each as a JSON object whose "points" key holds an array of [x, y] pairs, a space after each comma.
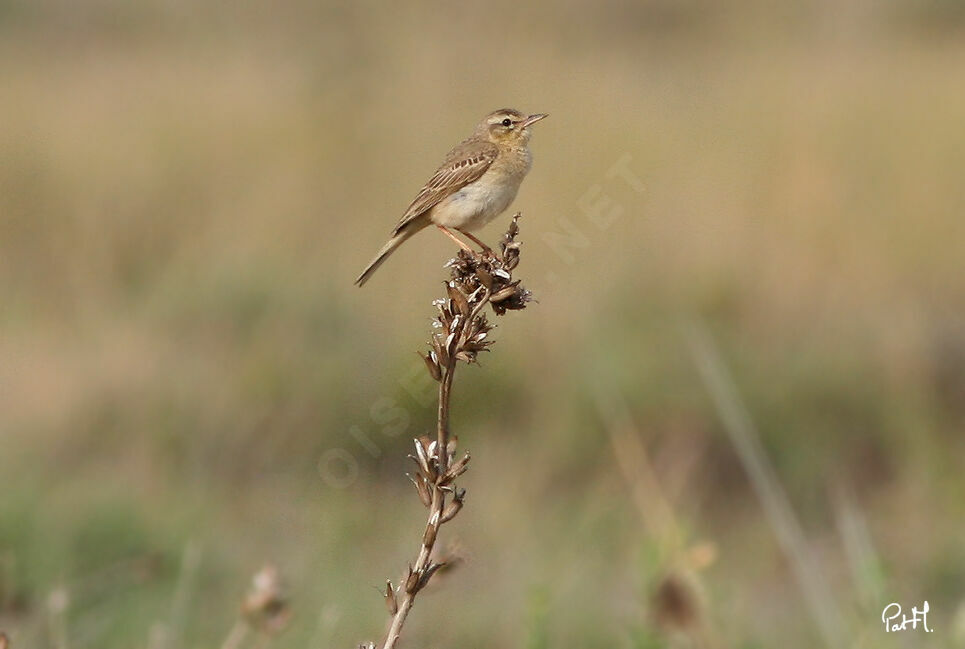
{"points": [[466, 163]]}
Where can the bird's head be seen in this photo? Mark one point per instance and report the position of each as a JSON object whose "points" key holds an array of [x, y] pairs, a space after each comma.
{"points": [[508, 126]]}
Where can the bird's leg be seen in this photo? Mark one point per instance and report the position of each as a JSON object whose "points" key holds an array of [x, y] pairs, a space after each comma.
{"points": [[485, 249], [446, 231]]}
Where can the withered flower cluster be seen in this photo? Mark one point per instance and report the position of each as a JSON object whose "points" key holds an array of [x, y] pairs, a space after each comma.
{"points": [[461, 328], [460, 332], [430, 474], [437, 491]]}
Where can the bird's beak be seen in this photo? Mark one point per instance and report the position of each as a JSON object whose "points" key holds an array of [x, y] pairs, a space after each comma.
{"points": [[532, 119]]}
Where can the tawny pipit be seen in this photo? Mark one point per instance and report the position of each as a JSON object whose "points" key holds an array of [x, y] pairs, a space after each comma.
{"points": [[475, 183]]}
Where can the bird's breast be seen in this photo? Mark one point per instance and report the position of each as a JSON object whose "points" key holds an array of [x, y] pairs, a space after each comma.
{"points": [[479, 202]]}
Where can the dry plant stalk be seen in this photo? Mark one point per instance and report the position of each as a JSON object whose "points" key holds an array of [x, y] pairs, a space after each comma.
{"points": [[677, 603], [460, 333]]}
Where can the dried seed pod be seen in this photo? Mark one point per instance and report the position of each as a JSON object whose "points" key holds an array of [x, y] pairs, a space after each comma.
{"points": [[456, 470], [440, 351], [503, 294], [422, 457], [390, 600], [459, 300], [425, 492], [411, 581], [452, 344], [421, 487], [451, 510], [427, 574], [484, 278], [434, 370], [513, 229]]}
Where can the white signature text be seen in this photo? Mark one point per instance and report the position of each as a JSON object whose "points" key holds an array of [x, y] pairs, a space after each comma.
{"points": [[890, 618]]}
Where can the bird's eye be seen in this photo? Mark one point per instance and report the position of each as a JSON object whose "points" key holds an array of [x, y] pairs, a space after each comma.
{"points": [[507, 122]]}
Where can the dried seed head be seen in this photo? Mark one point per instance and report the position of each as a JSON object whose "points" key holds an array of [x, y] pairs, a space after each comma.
{"points": [[518, 300], [461, 328], [676, 603], [492, 273], [458, 299], [4, 641]]}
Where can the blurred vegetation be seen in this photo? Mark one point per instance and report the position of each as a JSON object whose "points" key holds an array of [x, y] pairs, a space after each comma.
{"points": [[187, 190]]}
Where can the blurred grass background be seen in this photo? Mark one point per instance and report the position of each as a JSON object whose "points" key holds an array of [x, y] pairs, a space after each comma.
{"points": [[188, 189]]}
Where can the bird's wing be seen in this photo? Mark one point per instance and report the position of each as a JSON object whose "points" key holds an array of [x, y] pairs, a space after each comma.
{"points": [[465, 164]]}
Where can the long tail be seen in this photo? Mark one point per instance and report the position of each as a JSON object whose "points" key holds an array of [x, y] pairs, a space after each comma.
{"points": [[400, 237]]}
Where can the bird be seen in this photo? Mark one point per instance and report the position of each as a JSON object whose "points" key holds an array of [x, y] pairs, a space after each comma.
{"points": [[476, 182]]}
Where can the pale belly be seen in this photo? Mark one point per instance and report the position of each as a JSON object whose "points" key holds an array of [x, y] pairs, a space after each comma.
{"points": [[476, 204]]}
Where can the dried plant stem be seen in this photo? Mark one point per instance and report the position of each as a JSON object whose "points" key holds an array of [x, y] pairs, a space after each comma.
{"points": [[460, 333], [236, 636], [744, 436], [423, 564], [434, 522], [677, 602], [442, 430]]}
